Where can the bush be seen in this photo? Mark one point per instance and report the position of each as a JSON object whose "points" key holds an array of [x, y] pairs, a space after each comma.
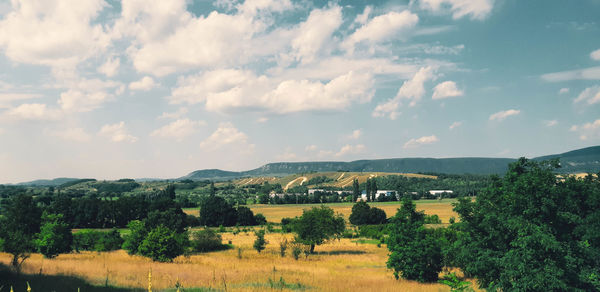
{"points": [[55, 237], [192, 221], [137, 234], [432, 219], [260, 242], [363, 214], [286, 225], [206, 240], [97, 240], [245, 216], [260, 219], [163, 245]]}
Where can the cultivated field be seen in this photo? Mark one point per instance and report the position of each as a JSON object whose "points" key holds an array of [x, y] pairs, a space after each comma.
{"points": [[338, 266], [274, 213]]}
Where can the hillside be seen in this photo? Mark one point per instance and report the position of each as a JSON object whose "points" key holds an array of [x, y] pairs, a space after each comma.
{"points": [[576, 161]]}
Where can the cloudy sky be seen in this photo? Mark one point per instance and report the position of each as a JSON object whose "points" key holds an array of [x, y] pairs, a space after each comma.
{"points": [[152, 88]]}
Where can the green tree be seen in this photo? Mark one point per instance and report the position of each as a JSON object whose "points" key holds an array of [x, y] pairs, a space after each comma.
{"points": [[363, 214], [206, 240], [532, 230], [415, 253], [317, 225], [163, 245], [245, 216], [373, 190], [368, 189], [137, 233], [355, 190], [20, 224], [260, 242], [215, 211], [55, 236]]}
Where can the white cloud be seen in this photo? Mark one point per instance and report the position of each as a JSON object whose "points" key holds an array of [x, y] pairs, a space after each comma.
{"points": [[287, 155], [551, 123], [111, 67], [592, 73], [117, 133], [315, 33], [455, 125], [595, 55], [587, 131], [178, 129], [443, 50], [72, 134], [227, 135], [350, 149], [591, 95], [362, 18], [501, 115], [144, 84], [412, 90], [80, 101], [476, 9], [7, 98], [563, 90], [226, 90], [311, 148], [56, 33], [446, 89], [382, 28], [262, 120], [414, 143], [174, 115], [355, 134], [33, 111]]}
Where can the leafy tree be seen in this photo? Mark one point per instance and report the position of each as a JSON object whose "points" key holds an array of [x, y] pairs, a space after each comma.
{"points": [[373, 190], [215, 211], [260, 219], [368, 189], [532, 230], [163, 245], [363, 214], [415, 253], [206, 240], [97, 240], [55, 236], [20, 223], [137, 233], [245, 216], [355, 190], [317, 225], [260, 242]]}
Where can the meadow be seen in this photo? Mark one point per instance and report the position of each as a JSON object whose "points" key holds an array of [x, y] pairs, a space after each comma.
{"points": [[340, 265], [274, 213]]}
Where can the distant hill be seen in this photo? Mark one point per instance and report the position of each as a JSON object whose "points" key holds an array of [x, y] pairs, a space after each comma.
{"points": [[581, 160], [48, 182]]}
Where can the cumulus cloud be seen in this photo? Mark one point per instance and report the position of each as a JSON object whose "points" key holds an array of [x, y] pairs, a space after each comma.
{"points": [[7, 98], [287, 155], [227, 135], [595, 55], [455, 125], [355, 134], [226, 90], [350, 149], [311, 148], [551, 123], [178, 129], [33, 111], [501, 115], [144, 84], [117, 133], [382, 28], [590, 95], [446, 89], [110, 67], [56, 33], [72, 134], [315, 33], [414, 143], [174, 115], [475, 9], [411, 90], [587, 131]]}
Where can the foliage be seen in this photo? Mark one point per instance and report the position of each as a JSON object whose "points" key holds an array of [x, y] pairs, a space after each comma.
{"points": [[283, 247], [260, 242], [532, 231], [455, 284], [432, 219], [245, 217], [215, 211], [163, 245], [317, 225], [363, 214], [137, 233], [206, 240], [415, 253], [55, 236], [286, 225], [260, 219], [20, 223]]}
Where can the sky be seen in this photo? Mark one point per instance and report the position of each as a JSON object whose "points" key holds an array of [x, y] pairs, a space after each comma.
{"points": [[113, 89]]}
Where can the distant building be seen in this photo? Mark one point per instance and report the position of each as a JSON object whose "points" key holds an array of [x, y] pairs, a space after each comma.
{"points": [[440, 192], [387, 193], [313, 191]]}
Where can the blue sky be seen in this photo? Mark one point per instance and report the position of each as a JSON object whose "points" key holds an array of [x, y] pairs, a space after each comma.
{"points": [[113, 89]]}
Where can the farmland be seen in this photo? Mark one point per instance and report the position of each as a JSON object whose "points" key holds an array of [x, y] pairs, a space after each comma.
{"points": [[337, 266]]}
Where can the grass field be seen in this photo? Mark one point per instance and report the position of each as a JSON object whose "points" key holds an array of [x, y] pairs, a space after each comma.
{"points": [[274, 213], [338, 266]]}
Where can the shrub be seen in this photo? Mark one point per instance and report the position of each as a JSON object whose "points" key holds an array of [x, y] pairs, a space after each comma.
{"points": [[163, 245], [260, 219], [55, 236], [282, 247], [286, 225], [260, 242], [363, 214], [97, 240], [206, 240]]}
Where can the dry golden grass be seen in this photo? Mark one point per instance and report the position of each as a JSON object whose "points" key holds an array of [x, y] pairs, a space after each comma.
{"points": [[274, 213], [337, 266]]}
